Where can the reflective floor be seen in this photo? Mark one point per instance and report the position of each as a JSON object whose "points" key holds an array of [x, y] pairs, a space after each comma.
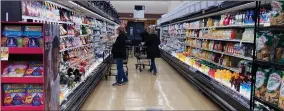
{"points": [[166, 91]]}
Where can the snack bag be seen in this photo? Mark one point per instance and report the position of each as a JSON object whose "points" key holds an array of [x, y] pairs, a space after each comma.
{"points": [[11, 42], [15, 69], [277, 14], [14, 94], [261, 82], [281, 98], [33, 31], [273, 86], [34, 95], [264, 42], [279, 50], [3, 41], [14, 31], [33, 42], [34, 69]]}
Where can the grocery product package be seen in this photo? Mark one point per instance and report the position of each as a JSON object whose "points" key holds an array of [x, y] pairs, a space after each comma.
{"points": [[281, 98], [261, 82], [273, 86], [277, 16], [279, 50], [264, 46]]}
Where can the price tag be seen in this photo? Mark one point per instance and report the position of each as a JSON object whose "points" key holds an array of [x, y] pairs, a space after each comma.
{"points": [[4, 53], [266, 24]]}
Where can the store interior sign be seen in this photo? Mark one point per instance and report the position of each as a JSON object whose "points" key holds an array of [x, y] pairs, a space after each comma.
{"points": [[139, 11]]}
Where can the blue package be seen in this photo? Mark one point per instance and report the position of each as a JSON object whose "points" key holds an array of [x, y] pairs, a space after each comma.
{"points": [[32, 33], [11, 42], [33, 42], [12, 33]]}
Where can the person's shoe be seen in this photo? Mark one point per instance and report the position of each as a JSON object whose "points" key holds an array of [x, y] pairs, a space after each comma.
{"points": [[155, 73], [117, 84], [124, 82], [149, 70]]}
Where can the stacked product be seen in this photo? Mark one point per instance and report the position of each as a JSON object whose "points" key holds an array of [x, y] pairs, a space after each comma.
{"points": [[22, 36], [23, 94]]}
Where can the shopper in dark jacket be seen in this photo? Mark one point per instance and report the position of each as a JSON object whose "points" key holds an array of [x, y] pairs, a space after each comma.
{"points": [[153, 50], [144, 35], [119, 54]]}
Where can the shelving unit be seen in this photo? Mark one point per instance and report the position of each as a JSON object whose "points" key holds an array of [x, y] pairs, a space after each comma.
{"points": [[27, 108], [22, 80], [13, 50], [273, 28], [225, 97], [215, 36], [227, 40], [27, 54]]}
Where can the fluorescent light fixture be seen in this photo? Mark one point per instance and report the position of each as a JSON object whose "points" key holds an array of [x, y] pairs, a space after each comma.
{"points": [[141, 19], [92, 13]]}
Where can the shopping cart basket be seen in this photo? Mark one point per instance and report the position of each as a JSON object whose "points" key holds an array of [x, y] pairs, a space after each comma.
{"points": [[141, 56]]}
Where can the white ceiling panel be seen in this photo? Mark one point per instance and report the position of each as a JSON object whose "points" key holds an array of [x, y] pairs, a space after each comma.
{"points": [[151, 7]]}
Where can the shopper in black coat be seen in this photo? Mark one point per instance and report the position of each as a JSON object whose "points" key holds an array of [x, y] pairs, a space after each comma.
{"points": [[144, 35], [119, 54], [119, 47], [153, 51]]}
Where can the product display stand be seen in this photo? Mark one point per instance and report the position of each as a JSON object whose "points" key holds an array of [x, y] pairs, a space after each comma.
{"points": [[13, 55]]}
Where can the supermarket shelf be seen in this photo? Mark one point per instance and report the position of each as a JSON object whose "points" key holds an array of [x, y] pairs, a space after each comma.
{"points": [[228, 54], [272, 28], [271, 106], [265, 63], [62, 22], [229, 68], [224, 53], [68, 92], [74, 47], [21, 23], [46, 20], [226, 87], [22, 79], [16, 50], [227, 40], [22, 108], [228, 26], [225, 97], [77, 97]]}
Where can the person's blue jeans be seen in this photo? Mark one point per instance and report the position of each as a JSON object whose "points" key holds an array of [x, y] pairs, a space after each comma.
{"points": [[120, 72], [153, 66]]}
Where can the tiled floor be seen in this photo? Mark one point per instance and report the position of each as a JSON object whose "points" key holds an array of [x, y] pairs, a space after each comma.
{"points": [[167, 91]]}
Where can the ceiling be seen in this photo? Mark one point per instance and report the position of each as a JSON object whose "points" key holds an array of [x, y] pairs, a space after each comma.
{"points": [[151, 7]]}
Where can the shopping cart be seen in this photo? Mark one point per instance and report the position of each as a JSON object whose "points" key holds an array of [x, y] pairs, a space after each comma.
{"points": [[111, 62], [141, 56], [129, 48]]}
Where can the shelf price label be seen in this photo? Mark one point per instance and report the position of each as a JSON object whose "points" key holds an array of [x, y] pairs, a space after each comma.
{"points": [[4, 53]]}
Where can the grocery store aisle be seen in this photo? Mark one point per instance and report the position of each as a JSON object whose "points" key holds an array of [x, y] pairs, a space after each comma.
{"points": [[167, 91]]}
